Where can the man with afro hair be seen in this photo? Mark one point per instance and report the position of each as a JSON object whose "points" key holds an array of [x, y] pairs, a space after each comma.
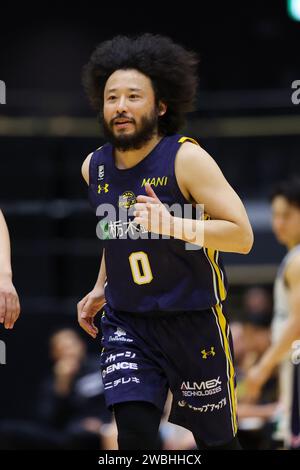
{"points": [[165, 212]]}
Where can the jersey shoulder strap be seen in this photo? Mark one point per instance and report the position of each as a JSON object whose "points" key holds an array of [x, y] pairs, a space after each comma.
{"points": [[183, 139]]}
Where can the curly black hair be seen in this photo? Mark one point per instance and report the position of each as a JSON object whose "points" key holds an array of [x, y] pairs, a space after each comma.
{"points": [[171, 68]]}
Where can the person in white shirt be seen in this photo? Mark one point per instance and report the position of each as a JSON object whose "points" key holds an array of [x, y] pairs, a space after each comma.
{"points": [[286, 320]]}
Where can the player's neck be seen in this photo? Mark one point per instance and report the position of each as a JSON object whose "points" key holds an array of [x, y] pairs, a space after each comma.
{"points": [[131, 158], [292, 244]]}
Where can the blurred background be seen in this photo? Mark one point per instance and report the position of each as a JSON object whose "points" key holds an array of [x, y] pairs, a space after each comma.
{"points": [[245, 119]]}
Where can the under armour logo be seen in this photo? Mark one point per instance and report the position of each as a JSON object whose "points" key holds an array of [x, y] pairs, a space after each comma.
{"points": [[103, 188], [205, 354]]}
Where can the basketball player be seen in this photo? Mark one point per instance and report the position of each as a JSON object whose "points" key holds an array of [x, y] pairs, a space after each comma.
{"points": [[286, 320], [164, 324], [9, 301]]}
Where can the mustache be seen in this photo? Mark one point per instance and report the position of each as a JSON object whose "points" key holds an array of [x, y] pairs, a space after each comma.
{"points": [[121, 116]]}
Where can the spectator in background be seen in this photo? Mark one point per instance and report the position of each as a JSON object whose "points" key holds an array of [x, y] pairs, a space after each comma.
{"points": [[285, 202], [251, 335], [251, 338], [70, 404], [9, 300], [258, 304], [257, 317], [72, 399]]}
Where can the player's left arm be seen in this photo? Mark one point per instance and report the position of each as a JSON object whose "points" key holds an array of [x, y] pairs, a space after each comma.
{"points": [[200, 177], [260, 373]]}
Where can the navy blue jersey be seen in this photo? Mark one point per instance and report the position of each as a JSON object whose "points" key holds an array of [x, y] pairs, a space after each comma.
{"points": [[146, 274]]}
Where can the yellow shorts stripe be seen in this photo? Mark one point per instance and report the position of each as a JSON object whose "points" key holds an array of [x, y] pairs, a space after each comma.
{"points": [[211, 254], [222, 323]]}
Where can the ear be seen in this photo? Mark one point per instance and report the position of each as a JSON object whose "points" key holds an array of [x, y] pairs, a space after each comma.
{"points": [[162, 108]]}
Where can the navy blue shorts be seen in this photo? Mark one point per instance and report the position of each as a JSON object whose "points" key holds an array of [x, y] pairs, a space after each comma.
{"points": [[190, 353]]}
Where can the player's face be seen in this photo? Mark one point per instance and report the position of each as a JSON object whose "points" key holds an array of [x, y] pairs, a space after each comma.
{"points": [[285, 221], [130, 114], [66, 344]]}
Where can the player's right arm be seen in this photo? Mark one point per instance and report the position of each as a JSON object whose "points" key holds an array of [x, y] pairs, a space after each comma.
{"points": [[9, 300], [93, 302]]}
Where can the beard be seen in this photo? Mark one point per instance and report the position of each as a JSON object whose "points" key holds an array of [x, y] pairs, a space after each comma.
{"points": [[137, 139]]}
